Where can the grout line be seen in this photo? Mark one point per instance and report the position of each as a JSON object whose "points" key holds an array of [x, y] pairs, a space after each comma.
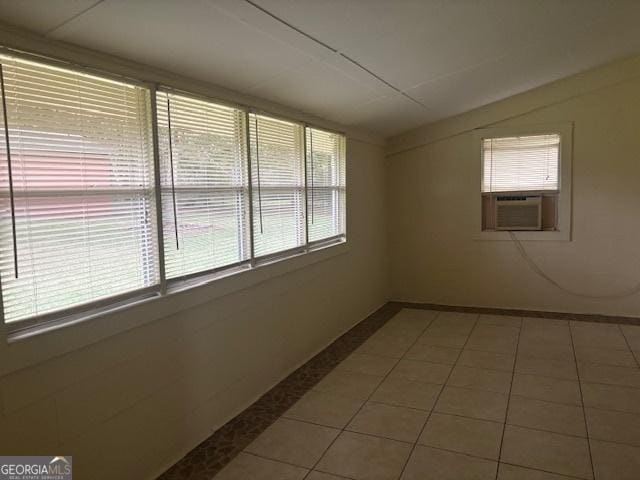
{"points": [[342, 430], [273, 460], [626, 340], [526, 467], [584, 411], [435, 402], [506, 413], [330, 474]]}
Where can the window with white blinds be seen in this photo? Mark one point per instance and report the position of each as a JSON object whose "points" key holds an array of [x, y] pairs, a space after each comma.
{"points": [[205, 199], [518, 164], [79, 153], [325, 184], [80, 213], [278, 184]]}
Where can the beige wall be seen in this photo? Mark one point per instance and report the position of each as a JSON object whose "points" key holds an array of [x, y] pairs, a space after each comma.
{"points": [[144, 397], [434, 204]]}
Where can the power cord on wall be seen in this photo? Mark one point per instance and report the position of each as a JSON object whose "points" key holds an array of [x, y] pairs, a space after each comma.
{"points": [[627, 293]]}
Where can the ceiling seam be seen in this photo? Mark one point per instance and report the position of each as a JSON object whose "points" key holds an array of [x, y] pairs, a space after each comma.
{"points": [[338, 52], [72, 18]]}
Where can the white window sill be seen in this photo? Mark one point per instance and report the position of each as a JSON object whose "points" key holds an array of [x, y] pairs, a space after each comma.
{"points": [[42, 342], [533, 236]]}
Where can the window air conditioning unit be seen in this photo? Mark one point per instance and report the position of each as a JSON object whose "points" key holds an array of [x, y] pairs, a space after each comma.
{"points": [[518, 213]]}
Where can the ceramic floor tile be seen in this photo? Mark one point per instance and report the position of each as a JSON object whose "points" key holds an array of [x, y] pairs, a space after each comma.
{"points": [[547, 389], [496, 331], [550, 351], [500, 320], [472, 403], [405, 393], [457, 318], [612, 461], [293, 442], [489, 360], [546, 335], [324, 409], [553, 417], [613, 426], [450, 341], [315, 475], [480, 378], [512, 472], [602, 335], [532, 322], [348, 384], [385, 345], [475, 437], [412, 323], [432, 464], [367, 364], [440, 330], [632, 334], [417, 371], [623, 376], [249, 467], [402, 330], [605, 356], [363, 457], [547, 367], [611, 397], [551, 452], [396, 423], [427, 353], [505, 345]]}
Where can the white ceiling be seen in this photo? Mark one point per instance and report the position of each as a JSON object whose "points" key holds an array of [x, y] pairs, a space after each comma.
{"points": [[380, 65]]}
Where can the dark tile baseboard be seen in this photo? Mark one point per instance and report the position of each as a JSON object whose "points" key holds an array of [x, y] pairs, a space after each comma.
{"points": [[208, 458], [584, 317]]}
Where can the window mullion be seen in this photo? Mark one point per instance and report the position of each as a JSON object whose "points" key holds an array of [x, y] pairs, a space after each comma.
{"points": [[252, 254], [158, 190], [306, 190]]}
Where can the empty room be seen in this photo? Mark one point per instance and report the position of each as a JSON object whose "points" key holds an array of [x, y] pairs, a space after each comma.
{"points": [[320, 240]]}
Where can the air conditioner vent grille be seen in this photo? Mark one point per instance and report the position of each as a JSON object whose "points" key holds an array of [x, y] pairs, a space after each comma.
{"points": [[520, 214]]}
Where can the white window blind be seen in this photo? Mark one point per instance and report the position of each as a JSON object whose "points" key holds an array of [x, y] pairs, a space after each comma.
{"points": [[81, 161], [527, 163], [205, 199], [277, 171], [325, 184]]}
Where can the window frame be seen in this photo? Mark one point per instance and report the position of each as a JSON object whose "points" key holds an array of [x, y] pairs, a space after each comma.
{"points": [[296, 189], [338, 190], [168, 290], [564, 222], [173, 189], [119, 298]]}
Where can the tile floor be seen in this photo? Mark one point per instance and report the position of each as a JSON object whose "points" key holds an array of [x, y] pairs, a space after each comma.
{"points": [[456, 396]]}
